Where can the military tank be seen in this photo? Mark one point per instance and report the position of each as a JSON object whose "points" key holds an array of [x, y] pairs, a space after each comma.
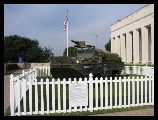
{"points": [[88, 60]]}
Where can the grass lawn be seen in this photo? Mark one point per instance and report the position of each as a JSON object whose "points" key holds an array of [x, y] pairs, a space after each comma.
{"points": [[151, 65]]}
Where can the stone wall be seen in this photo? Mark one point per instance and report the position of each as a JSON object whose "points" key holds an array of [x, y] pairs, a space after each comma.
{"points": [[40, 64], [28, 65], [21, 65]]}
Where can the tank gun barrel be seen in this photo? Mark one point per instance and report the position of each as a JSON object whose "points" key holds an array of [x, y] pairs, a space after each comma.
{"points": [[78, 42], [81, 44]]}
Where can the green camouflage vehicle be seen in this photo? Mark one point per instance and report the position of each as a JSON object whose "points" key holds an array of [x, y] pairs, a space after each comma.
{"points": [[88, 60]]}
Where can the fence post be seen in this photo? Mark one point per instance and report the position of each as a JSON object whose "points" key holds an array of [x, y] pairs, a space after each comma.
{"points": [[24, 76], [142, 70], [69, 95], [23, 73], [30, 71], [138, 90], [110, 92], [96, 93], [129, 92], [30, 96], [116, 92], [59, 100], [134, 71], [36, 96], [12, 95], [133, 91], [64, 95], [39, 71], [125, 91], [106, 93], [49, 71], [152, 88], [146, 70], [46, 71], [24, 94], [127, 69], [120, 92], [47, 94], [138, 70], [142, 90], [49, 68], [91, 92], [36, 72], [101, 92], [43, 71]]}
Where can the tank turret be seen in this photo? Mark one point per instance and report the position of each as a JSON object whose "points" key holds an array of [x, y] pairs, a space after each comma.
{"points": [[106, 56]]}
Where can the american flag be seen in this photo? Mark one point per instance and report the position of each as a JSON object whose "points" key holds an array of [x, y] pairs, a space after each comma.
{"points": [[65, 21]]}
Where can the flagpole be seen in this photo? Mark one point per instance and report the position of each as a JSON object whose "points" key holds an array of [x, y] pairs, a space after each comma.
{"points": [[67, 34]]}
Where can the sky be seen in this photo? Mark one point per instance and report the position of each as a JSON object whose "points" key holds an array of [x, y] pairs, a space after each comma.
{"points": [[45, 23]]}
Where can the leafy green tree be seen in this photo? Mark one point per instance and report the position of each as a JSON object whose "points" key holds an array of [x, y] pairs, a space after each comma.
{"points": [[71, 51], [16, 46], [47, 51], [108, 46]]}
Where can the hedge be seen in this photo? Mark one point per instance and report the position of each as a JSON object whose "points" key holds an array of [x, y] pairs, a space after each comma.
{"points": [[12, 66]]}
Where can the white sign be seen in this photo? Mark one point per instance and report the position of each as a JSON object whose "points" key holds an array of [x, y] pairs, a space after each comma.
{"points": [[86, 66], [78, 95]]}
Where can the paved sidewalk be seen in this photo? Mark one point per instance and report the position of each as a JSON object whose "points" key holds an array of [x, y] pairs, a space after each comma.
{"points": [[7, 88], [141, 112]]}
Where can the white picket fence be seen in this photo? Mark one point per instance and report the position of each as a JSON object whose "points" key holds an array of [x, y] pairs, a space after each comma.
{"points": [[16, 92], [102, 94], [139, 70], [43, 71]]}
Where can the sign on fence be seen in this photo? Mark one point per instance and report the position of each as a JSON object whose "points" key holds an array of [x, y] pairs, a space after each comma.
{"points": [[78, 95]]}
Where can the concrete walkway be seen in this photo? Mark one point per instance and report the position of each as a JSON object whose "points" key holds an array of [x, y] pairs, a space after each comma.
{"points": [[140, 112], [7, 87]]}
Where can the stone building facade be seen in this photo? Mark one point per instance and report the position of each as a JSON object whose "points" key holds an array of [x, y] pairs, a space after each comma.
{"points": [[133, 36]]}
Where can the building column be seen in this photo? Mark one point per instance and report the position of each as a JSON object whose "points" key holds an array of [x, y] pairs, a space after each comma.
{"points": [[118, 45], [140, 46], [152, 42], [135, 46], [123, 56], [129, 47], [144, 45], [112, 44]]}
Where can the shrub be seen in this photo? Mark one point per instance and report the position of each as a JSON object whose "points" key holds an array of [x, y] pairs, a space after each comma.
{"points": [[12, 66]]}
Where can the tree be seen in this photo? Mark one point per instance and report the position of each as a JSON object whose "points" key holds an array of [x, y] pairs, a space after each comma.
{"points": [[47, 51], [16, 46], [71, 51], [108, 46]]}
